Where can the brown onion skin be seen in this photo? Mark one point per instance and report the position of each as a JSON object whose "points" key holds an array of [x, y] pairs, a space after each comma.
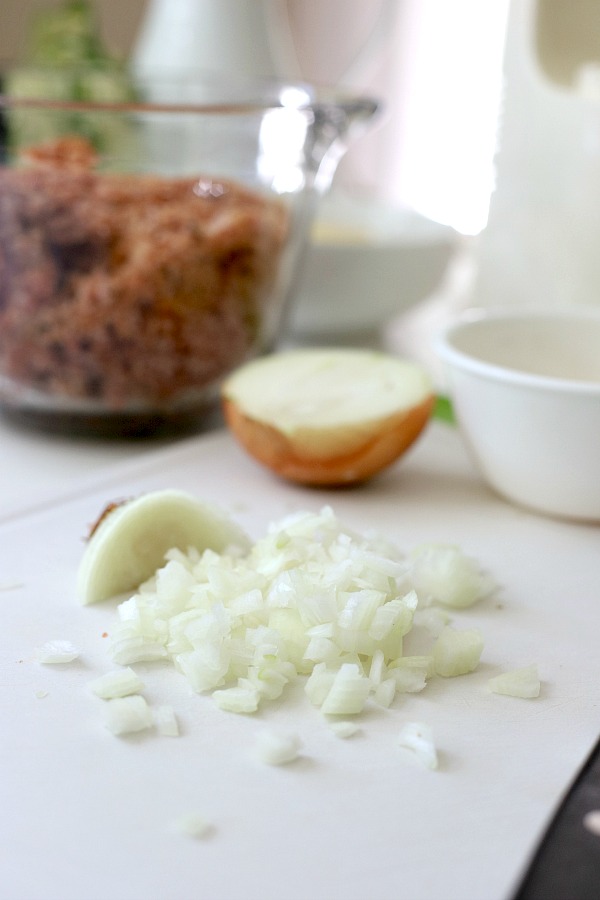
{"points": [[394, 435]]}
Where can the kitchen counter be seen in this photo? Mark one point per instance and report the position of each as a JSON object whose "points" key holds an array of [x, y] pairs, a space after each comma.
{"points": [[37, 467]]}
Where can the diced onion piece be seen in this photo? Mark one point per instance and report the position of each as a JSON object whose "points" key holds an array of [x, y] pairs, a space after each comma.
{"points": [[411, 673], [119, 683], [344, 729], [193, 825], [312, 597], [348, 693], [166, 721], [237, 699], [269, 681], [523, 682], [396, 615], [321, 649], [457, 652], [125, 715], [319, 684], [205, 667], [441, 572], [277, 748], [408, 680], [385, 692], [377, 670], [432, 619], [134, 649], [418, 738], [56, 652]]}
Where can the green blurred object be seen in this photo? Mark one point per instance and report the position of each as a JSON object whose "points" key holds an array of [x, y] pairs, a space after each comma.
{"points": [[65, 60], [443, 410], [66, 37]]}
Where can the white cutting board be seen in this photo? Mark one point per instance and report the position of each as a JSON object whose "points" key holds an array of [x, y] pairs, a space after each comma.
{"points": [[89, 816]]}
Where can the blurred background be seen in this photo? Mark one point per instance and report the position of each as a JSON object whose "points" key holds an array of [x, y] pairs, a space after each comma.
{"points": [[482, 175], [435, 64], [118, 21]]}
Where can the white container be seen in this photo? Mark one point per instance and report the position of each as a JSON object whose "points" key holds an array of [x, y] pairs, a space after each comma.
{"points": [[367, 262], [525, 386], [540, 246], [226, 37]]}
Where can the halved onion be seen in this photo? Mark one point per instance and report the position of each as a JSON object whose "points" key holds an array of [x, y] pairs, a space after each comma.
{"points": [[326, 416]]}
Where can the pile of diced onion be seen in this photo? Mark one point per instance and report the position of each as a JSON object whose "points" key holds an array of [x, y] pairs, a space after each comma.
{"points": [[312, 598]]}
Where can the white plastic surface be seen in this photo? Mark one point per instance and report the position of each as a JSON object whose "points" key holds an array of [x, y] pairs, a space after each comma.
{"points": [[88, 814]]}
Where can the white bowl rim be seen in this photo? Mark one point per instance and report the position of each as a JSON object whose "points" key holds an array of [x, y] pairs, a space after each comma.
{"points": [[493, 372]]}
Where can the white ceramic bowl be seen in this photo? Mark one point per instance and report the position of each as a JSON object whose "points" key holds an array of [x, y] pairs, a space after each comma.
{"points": [[525, 386], [367, 262]]}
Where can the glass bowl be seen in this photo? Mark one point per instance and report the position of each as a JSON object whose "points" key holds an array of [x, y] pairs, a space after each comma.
{"points": [[148, 247]]}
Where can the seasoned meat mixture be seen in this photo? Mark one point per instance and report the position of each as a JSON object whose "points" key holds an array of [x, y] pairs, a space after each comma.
{"points": [[128, 289]]}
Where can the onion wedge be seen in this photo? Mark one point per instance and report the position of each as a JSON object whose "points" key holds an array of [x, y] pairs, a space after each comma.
{"points": [[129, 542]]}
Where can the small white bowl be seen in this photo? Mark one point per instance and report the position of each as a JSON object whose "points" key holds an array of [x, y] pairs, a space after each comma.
{"points": [[367, 262], [525, 387]]}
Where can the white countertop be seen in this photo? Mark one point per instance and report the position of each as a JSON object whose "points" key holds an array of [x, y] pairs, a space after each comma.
{"points": [[86, 814], [38, 467]]}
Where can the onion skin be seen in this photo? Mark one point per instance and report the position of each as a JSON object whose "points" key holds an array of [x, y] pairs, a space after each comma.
{"points": [[386, 441], [106, 512]]}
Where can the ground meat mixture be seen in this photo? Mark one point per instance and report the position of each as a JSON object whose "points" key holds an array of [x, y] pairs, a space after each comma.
{"points": [[128, 289]]}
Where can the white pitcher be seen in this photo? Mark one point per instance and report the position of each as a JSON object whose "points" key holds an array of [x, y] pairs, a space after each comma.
{"points": [[541, 244], [265, 39], [229, 37]]}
